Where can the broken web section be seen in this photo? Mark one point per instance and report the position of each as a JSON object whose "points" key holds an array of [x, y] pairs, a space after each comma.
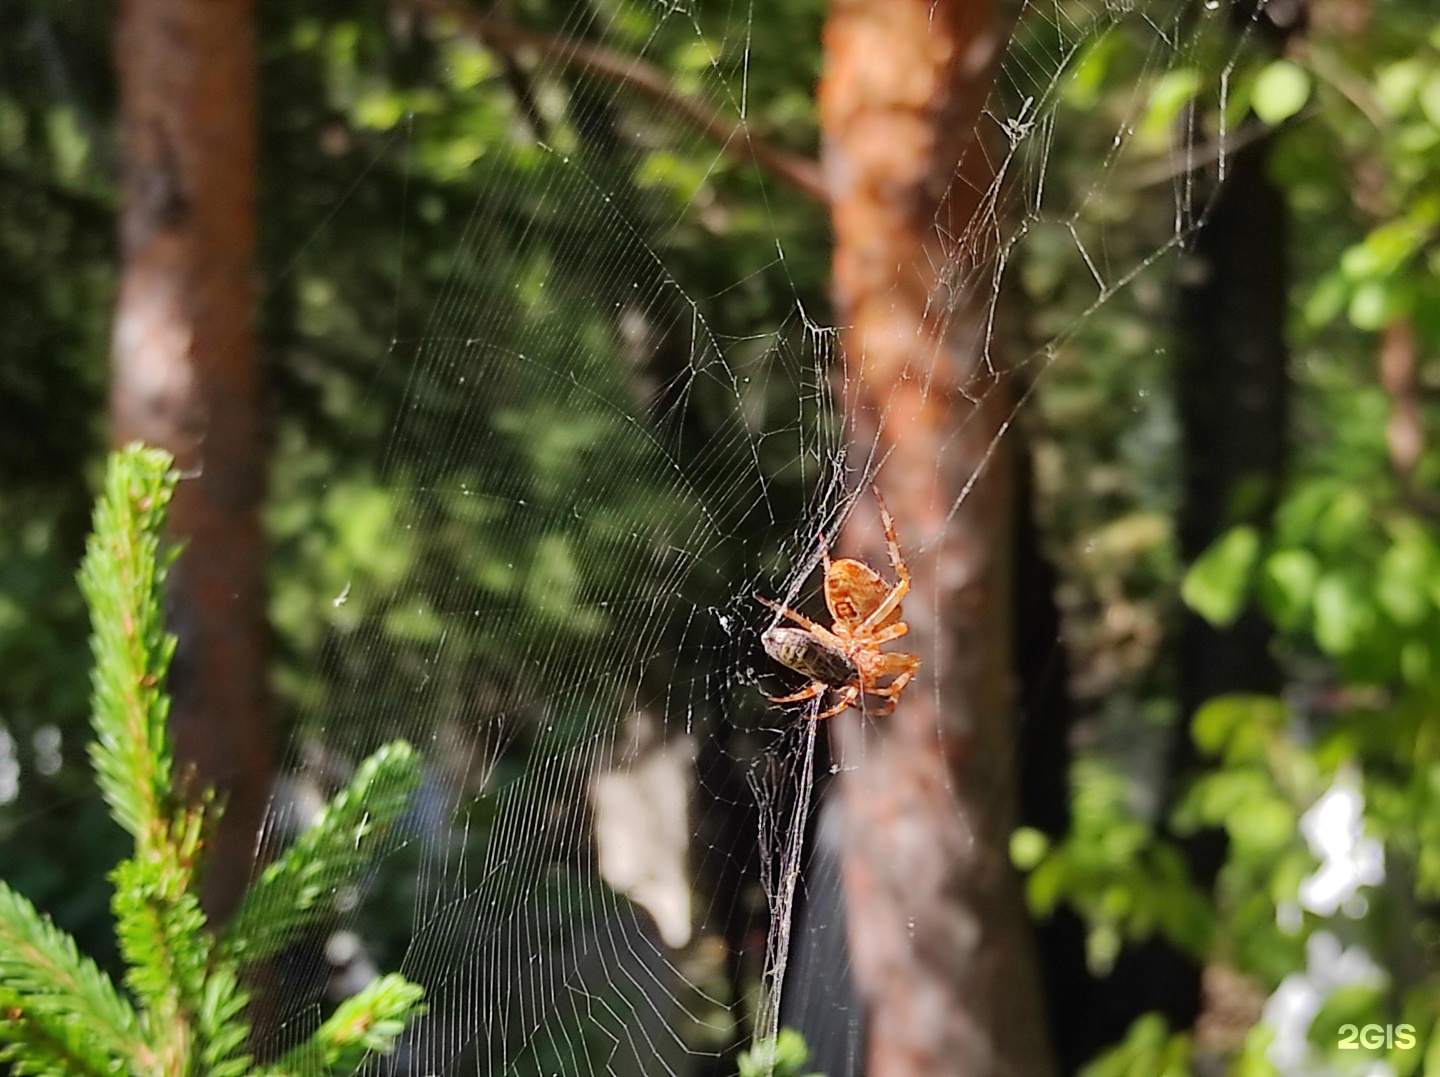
{"points": [[590, 404]]}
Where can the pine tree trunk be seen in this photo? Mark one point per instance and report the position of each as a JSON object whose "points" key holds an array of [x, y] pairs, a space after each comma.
{"points": [[185, 379], [939, 938]]}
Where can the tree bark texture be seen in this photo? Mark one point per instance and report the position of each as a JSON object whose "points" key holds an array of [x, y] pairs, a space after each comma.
{"points": [[939, 938], [184, 378]]}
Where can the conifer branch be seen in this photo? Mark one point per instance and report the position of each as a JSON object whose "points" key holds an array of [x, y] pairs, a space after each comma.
{"points": [[291, 893], [60, 1016], [162, 938], [369, 1022], [57, 1009], [159, 924], [121, 579], [224, 1030], [38, 1045]]}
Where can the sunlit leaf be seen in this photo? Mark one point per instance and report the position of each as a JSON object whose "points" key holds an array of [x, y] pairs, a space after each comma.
{"points": [[1346, 516], [1170, 93], [1343, 614], [1287, 581], [1045, 887], [1430, 98], [1236, 725], [1217, 584], [1263, 827], [1028, 847], [1418, 662], [1396, 84], [1402, 583], [1088, 81], [1327, 299], [1281, 90], [1370, 306]]}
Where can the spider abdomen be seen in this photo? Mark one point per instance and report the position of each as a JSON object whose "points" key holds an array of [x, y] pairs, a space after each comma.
{"points": [[802, 652], [853, 591]]}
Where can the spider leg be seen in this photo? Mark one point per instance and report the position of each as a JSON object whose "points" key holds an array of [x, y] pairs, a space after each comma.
{"points": [[785, 611], [824, 635], [903, 666], [848, 696], [891, 540], [894, 598], [892, 690], [810, 691], [885, 635]]}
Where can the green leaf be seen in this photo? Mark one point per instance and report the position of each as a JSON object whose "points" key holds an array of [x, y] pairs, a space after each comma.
{"points": [[1262, 827], [1327, 300], [1403, 581], [1353, 1003], [1347, 516], [1171, 92], [781, 1057], [1287, 582], [1236, 726], [1432, 1051], [1281, 91], [1397, 84], [1045, 886], [1213, 799], [1028, 847], [1388, 247], [1418, 663], [1344, 615], [1091, 66], [1371, 306], [1430, 99], [1148, 1050], [223, 1029], [1217, 584]]}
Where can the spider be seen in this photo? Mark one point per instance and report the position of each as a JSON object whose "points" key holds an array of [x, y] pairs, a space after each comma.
{"points": [[847, 656]]}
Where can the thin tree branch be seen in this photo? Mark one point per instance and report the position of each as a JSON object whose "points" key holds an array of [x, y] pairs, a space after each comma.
{"points": [[801, 173]]}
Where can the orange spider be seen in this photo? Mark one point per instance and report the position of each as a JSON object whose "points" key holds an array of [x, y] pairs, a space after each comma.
{"points": [[847, 656]]}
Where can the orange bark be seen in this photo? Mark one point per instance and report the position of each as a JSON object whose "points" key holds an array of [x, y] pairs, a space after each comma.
{"points": [[939, 937], [184, 379]]}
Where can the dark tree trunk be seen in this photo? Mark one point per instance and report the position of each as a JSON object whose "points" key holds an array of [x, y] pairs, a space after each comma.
{"points": [[185, 380], [940, 941], [1232, 395], [1047, 717]]}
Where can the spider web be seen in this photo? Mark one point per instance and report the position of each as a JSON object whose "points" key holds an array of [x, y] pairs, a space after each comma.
{"points": [[578, 457]]}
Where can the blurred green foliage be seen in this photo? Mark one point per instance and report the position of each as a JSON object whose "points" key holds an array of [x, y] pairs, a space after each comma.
{"points": [[1347, 570], [1149, 1050], [784, 1056]]}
